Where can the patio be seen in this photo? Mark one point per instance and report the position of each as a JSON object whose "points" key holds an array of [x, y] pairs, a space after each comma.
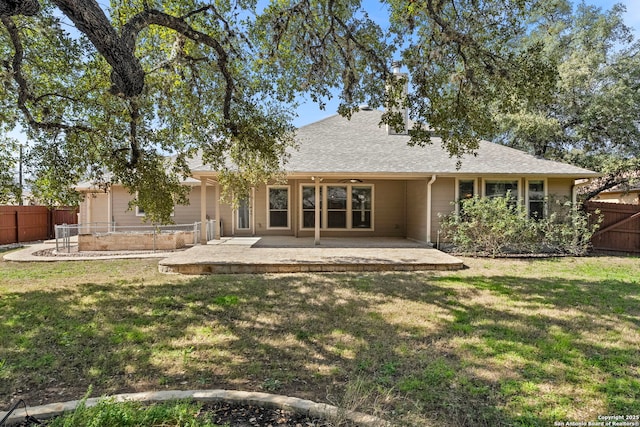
{"points": [[279, 254]]}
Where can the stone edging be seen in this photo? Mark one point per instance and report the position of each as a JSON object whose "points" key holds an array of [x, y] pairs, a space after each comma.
{"points": [[299, 406]]}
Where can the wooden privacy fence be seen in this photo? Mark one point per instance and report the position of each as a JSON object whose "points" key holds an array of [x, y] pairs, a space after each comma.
{"points": [[620, 227], [31, 223]]}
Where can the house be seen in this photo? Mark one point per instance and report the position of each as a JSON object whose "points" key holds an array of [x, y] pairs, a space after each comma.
{"points": [[354, 178], [629, 195]]}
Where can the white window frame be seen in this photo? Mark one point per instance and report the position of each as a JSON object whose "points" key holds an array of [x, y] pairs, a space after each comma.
{"points": [[324, 211], [545, 197], [268, 210], [502, 179], [237, 216], [457, 190]]}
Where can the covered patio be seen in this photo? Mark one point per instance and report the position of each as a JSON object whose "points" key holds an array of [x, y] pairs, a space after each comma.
{"points": [[284, 254]]}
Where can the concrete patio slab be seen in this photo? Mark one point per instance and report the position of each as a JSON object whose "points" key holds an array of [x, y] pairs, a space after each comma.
{"points": [[293, 255]]}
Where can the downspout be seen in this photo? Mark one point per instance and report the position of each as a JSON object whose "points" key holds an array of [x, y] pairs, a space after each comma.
{"points": [[429, 203]]}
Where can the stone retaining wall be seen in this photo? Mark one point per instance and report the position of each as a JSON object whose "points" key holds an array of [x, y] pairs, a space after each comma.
{"points": [[134, 241]]}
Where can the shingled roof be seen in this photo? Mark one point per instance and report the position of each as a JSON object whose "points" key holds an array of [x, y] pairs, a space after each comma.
{"points": [[361, 145]]}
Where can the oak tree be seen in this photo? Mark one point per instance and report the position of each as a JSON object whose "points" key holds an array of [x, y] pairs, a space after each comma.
{"points": [[130, 92]]}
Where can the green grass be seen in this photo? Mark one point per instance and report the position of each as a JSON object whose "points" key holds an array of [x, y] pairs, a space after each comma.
{"points": [[108, 413], [502, 343]]}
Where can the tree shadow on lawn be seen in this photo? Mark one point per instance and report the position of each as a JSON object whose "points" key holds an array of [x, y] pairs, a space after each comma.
{"points": [[418, 348]]}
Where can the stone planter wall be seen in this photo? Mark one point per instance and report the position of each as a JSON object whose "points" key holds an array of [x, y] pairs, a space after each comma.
{"points": [[135, 241]]}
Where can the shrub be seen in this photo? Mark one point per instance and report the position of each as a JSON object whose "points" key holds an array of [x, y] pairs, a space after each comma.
{"points": [[499, 226]]}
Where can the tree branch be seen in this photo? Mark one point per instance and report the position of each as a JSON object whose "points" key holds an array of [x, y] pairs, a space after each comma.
{"points": [[154, 17], [88, 17], [24, 93]]}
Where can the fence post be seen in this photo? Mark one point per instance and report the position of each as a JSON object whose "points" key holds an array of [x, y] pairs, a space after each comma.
{"points": [[17, 227]]}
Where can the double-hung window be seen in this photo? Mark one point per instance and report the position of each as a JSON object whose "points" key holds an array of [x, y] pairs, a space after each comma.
{"points": [[536, 198], [336, 206], [278, 207]]}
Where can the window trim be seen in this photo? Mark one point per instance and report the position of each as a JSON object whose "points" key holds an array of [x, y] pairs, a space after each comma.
{"points": [[457, 190], [324, 210], [237, 216], [545, 185], [268, 210], [502, 179]]}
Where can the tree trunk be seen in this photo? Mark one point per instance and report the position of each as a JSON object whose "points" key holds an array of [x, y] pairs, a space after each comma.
{"points": [[89, 18], [19, 7]]}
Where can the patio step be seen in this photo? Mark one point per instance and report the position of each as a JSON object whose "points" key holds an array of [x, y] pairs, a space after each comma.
{"points": [[238, 258]]}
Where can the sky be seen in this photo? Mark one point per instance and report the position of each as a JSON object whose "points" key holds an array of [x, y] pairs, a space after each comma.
{"points": [[309, 112]]}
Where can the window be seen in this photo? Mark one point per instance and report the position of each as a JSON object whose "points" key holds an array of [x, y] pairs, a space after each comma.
{"points": [[139, 211], [278, 208], [347, 206], [535, 199], [501, 189], [466, 189], [243, 214], [336, 207], [309, 207], [361, 207]]}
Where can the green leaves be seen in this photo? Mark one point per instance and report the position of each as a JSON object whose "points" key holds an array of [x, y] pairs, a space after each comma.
{"points": [[152, 79]]}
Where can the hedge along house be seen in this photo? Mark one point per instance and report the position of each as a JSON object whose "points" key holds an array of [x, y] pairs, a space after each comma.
{"points": [[354, 178]]}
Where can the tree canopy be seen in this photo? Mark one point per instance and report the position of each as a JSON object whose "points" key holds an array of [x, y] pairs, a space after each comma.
{"points": [[133, 90], [591, 116]]}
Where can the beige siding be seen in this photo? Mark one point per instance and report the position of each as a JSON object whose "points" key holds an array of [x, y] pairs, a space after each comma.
{"points": [[399, 208], [389, 208], [416, 210], [441, 203], [631, 198], [94, 208], [560, 189], [187, 214], [191, 212], [122, 215]]}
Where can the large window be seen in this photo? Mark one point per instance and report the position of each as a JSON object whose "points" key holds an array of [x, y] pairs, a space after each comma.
{"points": [[347, 206], [278, 207], [535, 198]]}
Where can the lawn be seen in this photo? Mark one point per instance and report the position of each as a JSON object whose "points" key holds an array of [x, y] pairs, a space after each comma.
{"points": [[502, 343]]}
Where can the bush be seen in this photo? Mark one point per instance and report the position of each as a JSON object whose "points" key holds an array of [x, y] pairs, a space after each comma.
{"points": [[499, 226]]}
